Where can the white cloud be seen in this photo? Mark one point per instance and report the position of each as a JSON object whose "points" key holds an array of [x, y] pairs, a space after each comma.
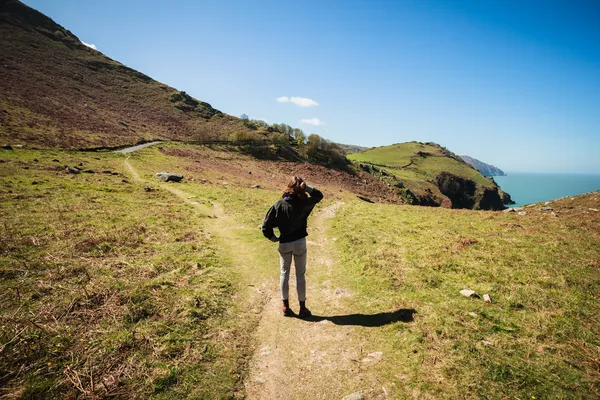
{"points": [[91, 46], [299, 101], [312, 121]]}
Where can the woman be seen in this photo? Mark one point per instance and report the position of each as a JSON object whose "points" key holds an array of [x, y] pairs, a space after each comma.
{"points": [[289, 215]]}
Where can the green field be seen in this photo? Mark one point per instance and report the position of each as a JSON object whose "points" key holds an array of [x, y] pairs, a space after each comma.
{"points": [[116, 285], [417, 165], [109, 279], [539, 337]]}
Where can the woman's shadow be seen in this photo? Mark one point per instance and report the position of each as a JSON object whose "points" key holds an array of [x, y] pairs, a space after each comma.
{"points": [[368, 320]]}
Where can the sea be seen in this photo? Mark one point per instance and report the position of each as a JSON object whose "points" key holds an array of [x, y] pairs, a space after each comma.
{"points": [[527, 187]]}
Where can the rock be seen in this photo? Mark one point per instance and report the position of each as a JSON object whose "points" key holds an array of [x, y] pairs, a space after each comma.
{"points": [[249, 172], [487, 343], [472, 314], [169, 177], [72, 170], [374, 357], [545, 208], [7, 147], [255, 186], [487, 298], [469, 293], [509, 210], [260, 380], [354, 396], [593, 209], [89, 171], [522, 213]]}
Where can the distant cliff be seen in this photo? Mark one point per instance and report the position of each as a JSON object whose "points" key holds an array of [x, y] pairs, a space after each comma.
{"points": [[485, 169], [428, 174]]}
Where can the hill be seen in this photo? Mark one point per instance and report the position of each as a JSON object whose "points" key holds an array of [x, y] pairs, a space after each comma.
{"points": [[116, 285], [428, 174], [57, 92], [351, 148], [485, 169]]}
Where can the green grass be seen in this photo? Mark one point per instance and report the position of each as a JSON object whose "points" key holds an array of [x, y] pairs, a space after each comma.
{"points": [[418, 172], [539, 338], [110, 286], [109, 289]]}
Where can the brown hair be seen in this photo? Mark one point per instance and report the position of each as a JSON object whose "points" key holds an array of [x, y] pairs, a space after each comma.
{"points": [[294, 189]]}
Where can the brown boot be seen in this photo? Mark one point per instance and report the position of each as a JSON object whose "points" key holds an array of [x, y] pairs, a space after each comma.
{"points": [[285, 308], [304, 312]]}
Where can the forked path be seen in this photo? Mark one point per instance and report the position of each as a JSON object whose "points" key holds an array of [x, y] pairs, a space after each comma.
{"points": [[319, 358]]}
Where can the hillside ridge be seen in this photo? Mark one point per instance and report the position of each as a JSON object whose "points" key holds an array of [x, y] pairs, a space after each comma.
{"points": [[430, 174], [57, 92], [484, 168]]}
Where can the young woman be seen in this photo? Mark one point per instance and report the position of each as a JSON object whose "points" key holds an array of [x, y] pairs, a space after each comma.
{"points": [[289, 215]]}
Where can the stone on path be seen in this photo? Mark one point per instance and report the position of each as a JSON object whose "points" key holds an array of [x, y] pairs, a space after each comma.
{"points": [[169, 177], [373, 357], [487, 298], [354, 396]]}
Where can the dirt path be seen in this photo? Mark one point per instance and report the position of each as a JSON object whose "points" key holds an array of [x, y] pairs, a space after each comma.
{"points": [[137, 147], [320, 358]]}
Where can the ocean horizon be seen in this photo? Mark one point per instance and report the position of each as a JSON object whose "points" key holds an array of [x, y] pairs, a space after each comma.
{"points": [[534, 187]]}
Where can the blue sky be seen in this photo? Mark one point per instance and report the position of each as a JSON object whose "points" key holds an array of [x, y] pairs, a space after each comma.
{"points": [[512, 83]]}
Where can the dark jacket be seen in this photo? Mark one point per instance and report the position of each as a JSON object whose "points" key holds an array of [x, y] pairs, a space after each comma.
{"points": [[290, 217]]}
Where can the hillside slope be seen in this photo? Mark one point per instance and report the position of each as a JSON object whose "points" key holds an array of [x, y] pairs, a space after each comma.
{"points": [[428, 174], [116, 285], [56, 92], [485, 169]]}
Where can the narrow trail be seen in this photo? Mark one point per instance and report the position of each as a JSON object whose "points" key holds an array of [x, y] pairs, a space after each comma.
{"points": [[137, 147], [317, 358]]}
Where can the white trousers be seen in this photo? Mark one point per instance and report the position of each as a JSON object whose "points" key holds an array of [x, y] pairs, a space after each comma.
{"points": [[297, 249]]}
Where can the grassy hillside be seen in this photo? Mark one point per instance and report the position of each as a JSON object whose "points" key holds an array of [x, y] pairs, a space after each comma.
{"points": [[539, 338], [114, 284], [420, 171], [56, 92]]}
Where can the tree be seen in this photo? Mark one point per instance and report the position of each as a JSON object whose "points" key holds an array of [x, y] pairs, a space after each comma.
{"points": [[244, 117], [297, 132], [260, 122]]}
